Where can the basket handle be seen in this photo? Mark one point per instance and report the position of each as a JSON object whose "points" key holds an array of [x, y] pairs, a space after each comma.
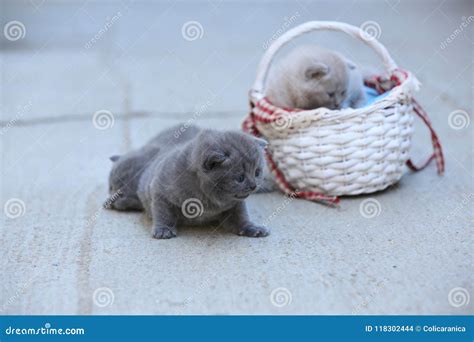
{"points": [[310, 26]]}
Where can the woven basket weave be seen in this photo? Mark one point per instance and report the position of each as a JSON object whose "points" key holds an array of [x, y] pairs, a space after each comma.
{"points": [[324, 153]]}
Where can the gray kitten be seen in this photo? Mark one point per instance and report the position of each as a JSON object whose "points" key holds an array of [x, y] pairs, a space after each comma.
{"points": [[311, 77], [197, 177], [125, 175]]}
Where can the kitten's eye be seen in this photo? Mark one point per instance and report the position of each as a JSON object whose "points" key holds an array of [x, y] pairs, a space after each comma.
{"points": [[343, 93], [257, 172], [331, 94], [241, 178]]}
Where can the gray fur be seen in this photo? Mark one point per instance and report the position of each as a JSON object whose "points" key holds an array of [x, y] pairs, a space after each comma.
{"points": [[355, 91], [311, 77], [125, 175], [197, 165], [124, 178]]}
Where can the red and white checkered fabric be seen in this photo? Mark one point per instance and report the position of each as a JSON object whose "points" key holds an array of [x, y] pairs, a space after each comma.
{"points": [[437, 149], [382, 85]]}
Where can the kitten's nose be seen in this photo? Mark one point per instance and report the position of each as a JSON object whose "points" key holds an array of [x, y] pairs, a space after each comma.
{"points": [[253, 186]]}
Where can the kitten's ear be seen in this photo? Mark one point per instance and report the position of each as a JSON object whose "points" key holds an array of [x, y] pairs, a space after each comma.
{"points": [[262, 143], [317, 70], [214, 159]]}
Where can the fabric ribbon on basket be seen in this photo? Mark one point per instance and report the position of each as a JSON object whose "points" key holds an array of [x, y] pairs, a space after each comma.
{"points": [[371, 143], [381, 85]]}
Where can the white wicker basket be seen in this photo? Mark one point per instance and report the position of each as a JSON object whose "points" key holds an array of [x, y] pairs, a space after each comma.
{"points": [[324, 153]]}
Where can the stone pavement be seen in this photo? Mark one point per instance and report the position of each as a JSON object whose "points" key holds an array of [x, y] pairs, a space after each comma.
{"points": [[61, 254]]}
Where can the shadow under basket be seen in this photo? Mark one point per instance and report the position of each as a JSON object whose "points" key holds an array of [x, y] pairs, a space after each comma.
{"points": [[321, 154]]}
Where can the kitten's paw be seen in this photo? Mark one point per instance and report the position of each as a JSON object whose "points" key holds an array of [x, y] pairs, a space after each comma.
{"points": [[254, 231], [163, 233]]}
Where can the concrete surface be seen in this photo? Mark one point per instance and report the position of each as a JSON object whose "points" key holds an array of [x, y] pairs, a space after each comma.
{"points": [[64, 255]]}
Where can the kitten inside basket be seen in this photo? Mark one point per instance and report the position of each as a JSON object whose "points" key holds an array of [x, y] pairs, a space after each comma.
{"points": [[310, 77]]}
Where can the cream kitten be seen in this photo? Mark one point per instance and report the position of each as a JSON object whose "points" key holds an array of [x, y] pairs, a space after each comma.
{"points": [[310, 77]]}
